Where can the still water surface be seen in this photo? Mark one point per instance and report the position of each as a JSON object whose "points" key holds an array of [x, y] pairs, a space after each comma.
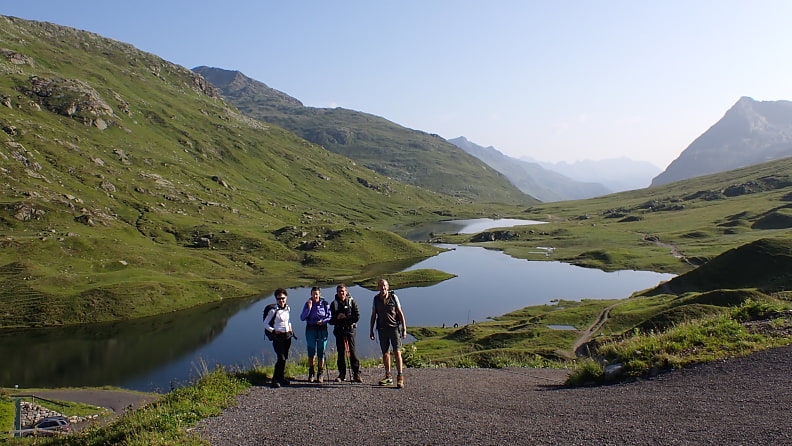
{"points": [[159, 352]]}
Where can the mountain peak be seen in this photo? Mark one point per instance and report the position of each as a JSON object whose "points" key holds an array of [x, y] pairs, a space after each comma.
{"points": [[750, 132], [235, 84]]}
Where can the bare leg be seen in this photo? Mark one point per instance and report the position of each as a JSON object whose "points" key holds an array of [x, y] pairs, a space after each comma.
{"points": [[399, 363], [386, 362]]}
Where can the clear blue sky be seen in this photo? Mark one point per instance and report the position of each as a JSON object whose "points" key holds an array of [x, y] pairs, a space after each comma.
{"points": [[552, 80]]}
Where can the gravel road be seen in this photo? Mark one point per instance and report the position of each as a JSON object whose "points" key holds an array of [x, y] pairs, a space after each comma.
{"points": [[741, 401]]}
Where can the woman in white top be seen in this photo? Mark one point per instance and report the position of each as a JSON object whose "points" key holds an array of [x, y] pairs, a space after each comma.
{"points": [[277, 322]]}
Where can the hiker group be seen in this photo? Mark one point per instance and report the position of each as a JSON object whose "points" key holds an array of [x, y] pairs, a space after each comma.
{"points": [[343, 314]]}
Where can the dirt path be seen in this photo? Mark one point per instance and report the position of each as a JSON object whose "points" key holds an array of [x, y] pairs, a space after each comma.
{"points": [[736, 402], [587, 334], [675, 252]]}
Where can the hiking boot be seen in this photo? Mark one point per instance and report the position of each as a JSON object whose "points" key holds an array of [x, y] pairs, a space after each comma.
{"points": [[356, 378], [319, 376], [275, 384], [311, 375], [339, 379], [400, 381], [387, 380], [284, 382]]}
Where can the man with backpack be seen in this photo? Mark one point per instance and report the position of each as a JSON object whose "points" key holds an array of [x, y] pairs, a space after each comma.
{"points": [[391, 328], [279, 330], [344, 315]]}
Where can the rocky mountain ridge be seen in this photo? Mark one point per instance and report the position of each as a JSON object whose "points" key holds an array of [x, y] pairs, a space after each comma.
{"points": [[751, 132]]}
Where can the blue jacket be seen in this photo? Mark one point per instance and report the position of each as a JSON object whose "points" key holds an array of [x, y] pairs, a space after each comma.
{"points": [[319, 312]]}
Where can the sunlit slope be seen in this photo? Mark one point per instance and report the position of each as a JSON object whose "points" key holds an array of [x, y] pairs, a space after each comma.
{"points": [[129, 187], [407, 155], [670, 228]]}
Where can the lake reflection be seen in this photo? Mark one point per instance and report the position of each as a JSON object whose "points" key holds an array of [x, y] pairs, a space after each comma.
{"points": [[156, 353], [423, 232]]}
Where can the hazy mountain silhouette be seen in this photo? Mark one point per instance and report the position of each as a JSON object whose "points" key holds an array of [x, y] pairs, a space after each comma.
{"points": [[532, 178], [750, 132], [617, 174]]}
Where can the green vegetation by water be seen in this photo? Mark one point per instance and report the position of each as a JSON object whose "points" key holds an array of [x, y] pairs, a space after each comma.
{"points": [[66, 408], [7, 413], [653, 330], [173, 198], [735, 331], [727, 236], [512, 339], [408, 279], [162, 422], [671, 228], [131, 189]]}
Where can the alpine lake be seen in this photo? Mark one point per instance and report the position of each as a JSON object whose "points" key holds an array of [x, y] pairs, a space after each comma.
{"points": [[162, 352]]}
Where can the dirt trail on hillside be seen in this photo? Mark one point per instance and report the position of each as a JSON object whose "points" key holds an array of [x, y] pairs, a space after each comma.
{"points": [[588, 333], [675, 252], [744, 400]]}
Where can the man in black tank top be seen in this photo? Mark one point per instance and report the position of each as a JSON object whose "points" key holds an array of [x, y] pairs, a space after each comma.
{"points": [[388, 317]]}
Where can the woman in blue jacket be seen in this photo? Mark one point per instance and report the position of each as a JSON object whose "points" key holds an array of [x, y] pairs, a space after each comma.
{"points": [[316, 314]]}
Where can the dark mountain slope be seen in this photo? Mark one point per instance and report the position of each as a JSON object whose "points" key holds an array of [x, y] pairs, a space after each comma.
{"points": [[765, 261], [406, 155]]}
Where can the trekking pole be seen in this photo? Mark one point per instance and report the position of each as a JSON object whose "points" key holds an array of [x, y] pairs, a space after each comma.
{"points": [[346, 353]]}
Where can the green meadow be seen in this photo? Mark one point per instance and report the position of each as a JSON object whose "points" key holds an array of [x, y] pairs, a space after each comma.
{"points": [[726, 235]]}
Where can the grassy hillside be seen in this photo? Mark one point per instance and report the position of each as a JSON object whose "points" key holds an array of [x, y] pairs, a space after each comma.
{"points": [[670, 228], [728, 236], [129, 188], [765, 263], [406, 155], [733, 305]]}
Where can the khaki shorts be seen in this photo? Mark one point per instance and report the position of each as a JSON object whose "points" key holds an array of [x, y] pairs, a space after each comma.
{"points": [[390, 337]]}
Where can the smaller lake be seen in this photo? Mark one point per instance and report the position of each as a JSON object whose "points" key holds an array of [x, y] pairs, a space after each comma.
{"points": [[159, 352]]}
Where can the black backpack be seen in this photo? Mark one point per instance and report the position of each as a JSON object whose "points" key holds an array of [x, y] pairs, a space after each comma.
{"points": [[271, 323]]}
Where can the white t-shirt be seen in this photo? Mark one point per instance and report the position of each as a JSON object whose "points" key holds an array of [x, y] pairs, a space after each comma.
{"points": [[281, 322]]}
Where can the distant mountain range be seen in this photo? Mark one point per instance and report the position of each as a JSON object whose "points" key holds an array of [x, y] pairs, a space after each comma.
{"points": [[617, 174], [751, 132], [406, 155], [531, 178]]}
